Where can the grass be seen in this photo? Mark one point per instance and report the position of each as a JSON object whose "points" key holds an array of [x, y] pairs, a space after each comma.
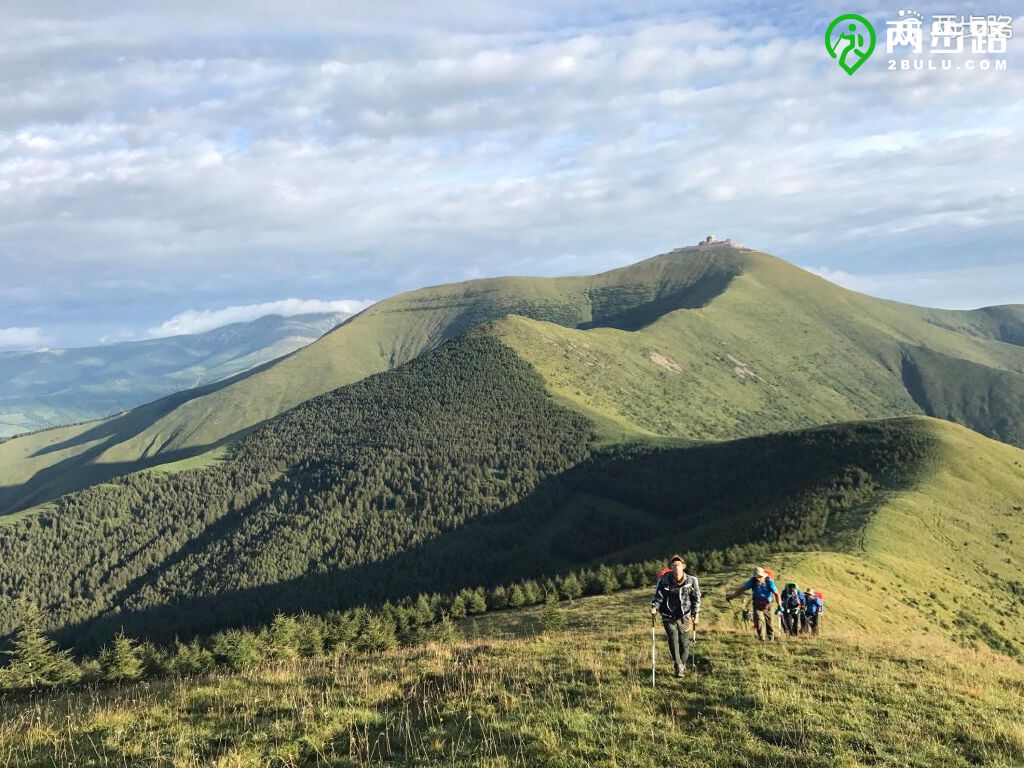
{"points": [[210, 458], [509, 695], [779, 349]]}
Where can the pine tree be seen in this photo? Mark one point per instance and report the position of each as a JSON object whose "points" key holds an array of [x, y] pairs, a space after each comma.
{"points": [[311, 637], [376, 633], [445, 631], [236, 648], [532, 592], [476, 600], [516, 598], [603, 581], [570, 587], [423, 612], [35, 660], [551, 618], [499, 597], [458, 607], [120, 661], [191, 659], [283, 637]]}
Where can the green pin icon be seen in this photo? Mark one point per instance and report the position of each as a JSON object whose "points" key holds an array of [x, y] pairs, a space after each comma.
{"points": [[859, 38]]}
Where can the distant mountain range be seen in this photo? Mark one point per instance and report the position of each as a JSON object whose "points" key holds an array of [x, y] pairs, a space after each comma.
{"points": [[47, 388]]}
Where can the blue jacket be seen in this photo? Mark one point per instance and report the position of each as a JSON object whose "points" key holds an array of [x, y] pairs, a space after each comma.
{"points": [[793, 599], [761, 592], [814, 606]]}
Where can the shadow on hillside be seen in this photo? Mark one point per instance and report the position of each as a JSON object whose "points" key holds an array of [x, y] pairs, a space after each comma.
{"points": [[694, 296], [628, 504]]}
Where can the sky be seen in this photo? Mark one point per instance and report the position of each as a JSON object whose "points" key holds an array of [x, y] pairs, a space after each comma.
{"points": [[165, 167]]}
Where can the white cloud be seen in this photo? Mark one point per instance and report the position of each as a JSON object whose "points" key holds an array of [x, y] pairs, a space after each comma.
{"points": [[21, 338], [859, 283], [200, 320], [372, 147], [964, 288]]}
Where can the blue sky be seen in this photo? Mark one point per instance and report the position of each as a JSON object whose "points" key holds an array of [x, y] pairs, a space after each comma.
{"points": [[166, 162]]}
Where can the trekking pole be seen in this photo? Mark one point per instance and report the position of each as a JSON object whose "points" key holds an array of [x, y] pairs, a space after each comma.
{"points": [[653, 651], [693, 654]]}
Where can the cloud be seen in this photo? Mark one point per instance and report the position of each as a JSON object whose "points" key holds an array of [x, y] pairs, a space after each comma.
{"points": [[964, 288], [23, 338], [859, 283], [356, 151], [200, 320]]}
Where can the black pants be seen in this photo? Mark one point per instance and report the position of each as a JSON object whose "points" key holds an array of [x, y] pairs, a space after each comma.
{"points": [[678, 641], [791, 621], [811, 624]]}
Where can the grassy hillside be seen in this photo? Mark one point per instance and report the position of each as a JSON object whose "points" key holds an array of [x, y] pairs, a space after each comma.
{"points": [[42, 466], [780, 349], [564, 698], [893, 680], [700, 343]]}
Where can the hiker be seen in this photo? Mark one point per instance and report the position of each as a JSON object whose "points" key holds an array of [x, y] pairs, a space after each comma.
{"points": [[676, 596], [792, 606], [813, 609], [763, 591]]}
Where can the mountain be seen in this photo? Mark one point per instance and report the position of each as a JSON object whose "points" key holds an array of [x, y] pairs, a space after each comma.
{"points": [[708, 342], [713, 401], [47, 388]]}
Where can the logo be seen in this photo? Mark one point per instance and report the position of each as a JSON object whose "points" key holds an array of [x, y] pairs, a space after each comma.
{"points": [[953, 41], [850, 39]]}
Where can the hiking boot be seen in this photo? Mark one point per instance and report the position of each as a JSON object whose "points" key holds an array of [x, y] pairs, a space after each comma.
{"points": [[680, 671]]}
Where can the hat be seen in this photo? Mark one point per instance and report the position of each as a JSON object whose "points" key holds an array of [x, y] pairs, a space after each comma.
{"points": [[676, 557], [810, 589], [758, 573]]}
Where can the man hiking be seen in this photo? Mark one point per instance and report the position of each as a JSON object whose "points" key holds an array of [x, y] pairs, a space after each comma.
{"points": [[812, 611], [677, 595], [793, 603], [763, 591]]}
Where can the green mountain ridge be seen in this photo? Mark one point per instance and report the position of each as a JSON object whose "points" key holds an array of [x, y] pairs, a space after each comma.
{"points": [[759, 345]]}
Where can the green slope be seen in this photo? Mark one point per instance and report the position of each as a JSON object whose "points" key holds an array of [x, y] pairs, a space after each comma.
{"points": [[707, 343], [779, 349], [894, 680], [42, 466]]}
